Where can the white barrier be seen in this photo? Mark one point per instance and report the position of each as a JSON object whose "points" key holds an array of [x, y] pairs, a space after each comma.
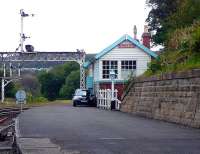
{"points": [[104, 98]]}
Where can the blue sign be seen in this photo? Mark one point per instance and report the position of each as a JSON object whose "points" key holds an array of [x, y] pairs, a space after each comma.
{"points": [[20, 96]]}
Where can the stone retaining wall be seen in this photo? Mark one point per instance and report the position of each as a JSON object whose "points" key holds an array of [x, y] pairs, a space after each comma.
{"points": [[169, 97]]}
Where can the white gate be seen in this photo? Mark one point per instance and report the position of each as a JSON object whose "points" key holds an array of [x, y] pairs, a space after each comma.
{"points": [[104, 98]]}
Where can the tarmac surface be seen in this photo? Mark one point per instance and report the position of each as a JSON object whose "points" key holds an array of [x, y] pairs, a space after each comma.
{"points": [[86, 130]]}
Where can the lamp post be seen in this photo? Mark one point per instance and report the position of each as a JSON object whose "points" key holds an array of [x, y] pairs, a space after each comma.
{"points": [[112, 77]]}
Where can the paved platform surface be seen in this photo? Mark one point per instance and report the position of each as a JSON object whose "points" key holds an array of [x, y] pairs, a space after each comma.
{"points": [[38, 146], [84, 130]]}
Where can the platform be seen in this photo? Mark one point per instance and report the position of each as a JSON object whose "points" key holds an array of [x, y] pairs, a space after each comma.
{"points": [[86, 130]]}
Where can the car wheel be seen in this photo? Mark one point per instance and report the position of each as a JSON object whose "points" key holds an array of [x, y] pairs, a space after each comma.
{"points": [[74, 104]]}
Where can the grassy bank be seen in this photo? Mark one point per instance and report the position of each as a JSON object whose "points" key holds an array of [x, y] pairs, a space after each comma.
{"points": [[174, 61], [181, 52]]}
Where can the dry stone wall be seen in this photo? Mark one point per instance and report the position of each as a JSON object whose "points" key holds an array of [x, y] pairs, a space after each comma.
{"points": [[169, 97]]}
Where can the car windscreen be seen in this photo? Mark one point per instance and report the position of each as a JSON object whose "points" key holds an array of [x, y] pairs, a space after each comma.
{"points": [[81, 93]]}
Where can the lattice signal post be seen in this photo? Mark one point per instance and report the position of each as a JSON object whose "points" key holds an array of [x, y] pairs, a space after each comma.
{"points": [[13, 61]]}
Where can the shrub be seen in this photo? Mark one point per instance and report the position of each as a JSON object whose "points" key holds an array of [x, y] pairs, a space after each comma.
{"points": [[153, 67], [185, 39], [35, 100], [40, 99], [196, 40], [30, 83], [29, 97], [72, 82]]}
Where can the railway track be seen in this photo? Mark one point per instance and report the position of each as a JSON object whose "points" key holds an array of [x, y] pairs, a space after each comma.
{"points": [[7, 130]]}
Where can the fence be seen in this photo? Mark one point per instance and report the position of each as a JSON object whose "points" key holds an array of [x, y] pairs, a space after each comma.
{"points": [[104, 98]]}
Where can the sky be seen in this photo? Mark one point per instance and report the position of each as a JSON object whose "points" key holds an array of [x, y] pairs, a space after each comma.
{"points": [[67, 25]]}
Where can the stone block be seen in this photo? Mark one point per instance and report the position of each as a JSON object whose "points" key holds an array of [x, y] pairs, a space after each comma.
{"points": [[195, 124], [174, 98], [197, 116], [188, 115], [174, 119]]}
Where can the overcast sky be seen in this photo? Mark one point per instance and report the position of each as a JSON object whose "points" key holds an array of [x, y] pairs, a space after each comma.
{"points": [[67, 25]]}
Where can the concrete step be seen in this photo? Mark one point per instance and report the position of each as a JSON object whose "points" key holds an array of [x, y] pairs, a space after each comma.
{"points": [[38, 146]]}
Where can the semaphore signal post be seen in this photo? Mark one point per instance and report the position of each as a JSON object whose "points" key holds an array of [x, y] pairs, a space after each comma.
{"points": [[13, 61]]}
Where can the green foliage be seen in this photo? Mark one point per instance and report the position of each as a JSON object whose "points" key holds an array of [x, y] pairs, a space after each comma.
{"points": [[185, 39], [32, 99], [187, 12], [65, 69], [177, 26], [174, 61], [29, 97], [50, 85], [10, 90], [154, 66], [167, 16], [196, 40], [46, 83], [128, 84], [30, 84], [193, 62], [72, 82], [60, 81], [158, 16]]}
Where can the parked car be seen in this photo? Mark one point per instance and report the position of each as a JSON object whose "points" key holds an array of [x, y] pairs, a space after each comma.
{"points": [[83, 97]]}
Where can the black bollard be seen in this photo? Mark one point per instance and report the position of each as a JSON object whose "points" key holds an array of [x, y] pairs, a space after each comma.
{"points": [[113, 105]]}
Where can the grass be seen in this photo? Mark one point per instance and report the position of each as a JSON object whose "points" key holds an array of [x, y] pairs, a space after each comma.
{"points": [[172, 62], [193, 62], [9, 102]]}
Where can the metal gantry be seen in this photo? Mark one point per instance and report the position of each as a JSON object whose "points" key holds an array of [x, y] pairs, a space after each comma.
{"points": [[14, 60], [82, 72]]}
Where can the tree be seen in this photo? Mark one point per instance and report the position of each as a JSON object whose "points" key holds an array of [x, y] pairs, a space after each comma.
{"points": [[72, 82], [30, 83], [62, 71], [186, 15], [166, 16], [177, 27], [10, 89], [158, 16], [52, 81], [50, 85]]}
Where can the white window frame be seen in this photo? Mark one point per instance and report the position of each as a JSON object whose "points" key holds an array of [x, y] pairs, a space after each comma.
{"points": [[109, 68], [128, 69]]}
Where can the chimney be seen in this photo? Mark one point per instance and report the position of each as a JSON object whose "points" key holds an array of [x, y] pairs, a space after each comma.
{"points": [[146, 37]]}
